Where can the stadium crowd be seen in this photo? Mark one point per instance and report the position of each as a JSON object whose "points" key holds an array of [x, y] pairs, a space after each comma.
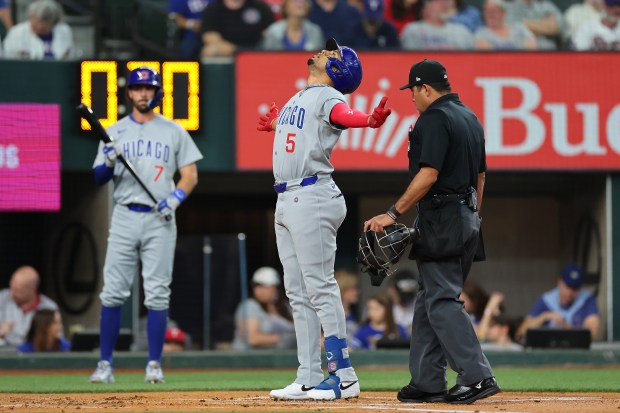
{"points": [[215, 28]]}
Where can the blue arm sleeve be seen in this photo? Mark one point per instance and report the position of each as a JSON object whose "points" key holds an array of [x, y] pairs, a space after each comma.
{"points": [[103, 174]]}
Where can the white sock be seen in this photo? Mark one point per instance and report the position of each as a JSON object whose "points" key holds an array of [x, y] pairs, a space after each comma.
{"points": [[347, 374]]}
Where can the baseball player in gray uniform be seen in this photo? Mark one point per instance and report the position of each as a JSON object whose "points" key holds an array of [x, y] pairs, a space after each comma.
{"points": [[140, 232], [309, 211]]}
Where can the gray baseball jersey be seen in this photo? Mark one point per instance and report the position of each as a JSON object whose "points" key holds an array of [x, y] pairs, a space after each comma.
{"points": [[304, 137], [307, 219], [156, 149]]}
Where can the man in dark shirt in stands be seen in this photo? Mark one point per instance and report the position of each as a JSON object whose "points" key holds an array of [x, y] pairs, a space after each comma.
{"points": [[231, 24], [335, 17]]}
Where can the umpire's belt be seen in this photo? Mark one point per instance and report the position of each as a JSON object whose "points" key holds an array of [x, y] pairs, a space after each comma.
{"points": [[140, 207], [438, 200], [280, 187]]}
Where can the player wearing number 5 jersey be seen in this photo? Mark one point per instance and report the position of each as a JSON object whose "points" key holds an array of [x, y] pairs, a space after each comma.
{"points": [[142, 235], [309, 211]]}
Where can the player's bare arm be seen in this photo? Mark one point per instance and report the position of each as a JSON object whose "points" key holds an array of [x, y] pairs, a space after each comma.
{"points": [[419, 186], [189, 178]]}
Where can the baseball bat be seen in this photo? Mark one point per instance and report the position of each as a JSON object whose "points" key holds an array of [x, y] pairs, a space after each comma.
{"points": [[88, 114]]}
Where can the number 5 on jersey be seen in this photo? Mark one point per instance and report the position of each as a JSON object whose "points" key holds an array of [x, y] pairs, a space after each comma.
{"points": [[290, 142]]}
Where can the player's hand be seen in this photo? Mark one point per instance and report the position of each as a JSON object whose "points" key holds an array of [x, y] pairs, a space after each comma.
{"points": [[168, 205], [265, 122], [380, 114], [110, 153]]}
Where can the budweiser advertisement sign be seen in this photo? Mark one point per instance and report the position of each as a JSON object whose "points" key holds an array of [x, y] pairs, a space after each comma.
{"points": [[540, 111]]}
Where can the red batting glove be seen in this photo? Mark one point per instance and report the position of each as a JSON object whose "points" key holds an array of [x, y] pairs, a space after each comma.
{"points": [[265, 122], [380, 114]]}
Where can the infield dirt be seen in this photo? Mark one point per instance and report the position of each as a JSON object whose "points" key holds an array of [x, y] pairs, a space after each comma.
{"points": [[252, 401]]}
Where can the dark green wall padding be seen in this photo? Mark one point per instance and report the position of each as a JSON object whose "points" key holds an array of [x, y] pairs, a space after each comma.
{"points": [[59, 82], [288, 359]]}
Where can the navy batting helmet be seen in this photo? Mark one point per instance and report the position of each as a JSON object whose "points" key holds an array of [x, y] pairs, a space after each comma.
{"points": [[144, 75], [346, 73]]}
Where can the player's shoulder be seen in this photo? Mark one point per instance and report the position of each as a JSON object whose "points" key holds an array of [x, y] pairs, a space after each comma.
{"points": [[122, 123], [325, 93], [169, 124]]}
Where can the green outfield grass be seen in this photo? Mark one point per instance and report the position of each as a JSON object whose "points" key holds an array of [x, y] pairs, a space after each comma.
{"points": [[510, 379]]}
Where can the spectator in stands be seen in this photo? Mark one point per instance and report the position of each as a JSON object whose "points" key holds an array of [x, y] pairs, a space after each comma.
{"points": [[231, 24], [45, 334], [566, 306], [265, 320], [6, 19], [580, 13], [403, 288], [348, 282], [499, 35], [542, 17], [187, 15], [602, 34], [174, 333], [434, 32], [462, 13], [373, 31], [501, 333], [335, 18], [43, 36], [401, 12], [294, 31], [378, 324], [481, 307], [176, 340], [18, 304], [474, 300]]}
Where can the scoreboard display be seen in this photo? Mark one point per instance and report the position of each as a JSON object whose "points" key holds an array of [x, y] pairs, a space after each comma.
{"points": [[103, 85]]}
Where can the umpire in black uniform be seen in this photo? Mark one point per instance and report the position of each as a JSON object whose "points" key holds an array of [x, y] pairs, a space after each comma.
{"points": [[447, 163]]}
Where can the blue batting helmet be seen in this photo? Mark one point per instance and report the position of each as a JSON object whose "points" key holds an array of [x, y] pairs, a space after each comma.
{"points": [[346, 73], [144, 75]]}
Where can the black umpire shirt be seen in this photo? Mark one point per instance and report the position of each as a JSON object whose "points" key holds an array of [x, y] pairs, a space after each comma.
{"points": [[448, 137]]}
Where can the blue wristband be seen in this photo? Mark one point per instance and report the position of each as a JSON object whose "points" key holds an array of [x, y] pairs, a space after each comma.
{"points": [[180, 194]]}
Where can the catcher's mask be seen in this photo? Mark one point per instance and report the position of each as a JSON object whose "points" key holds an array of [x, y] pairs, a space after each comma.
{"points": [[378, 251]]}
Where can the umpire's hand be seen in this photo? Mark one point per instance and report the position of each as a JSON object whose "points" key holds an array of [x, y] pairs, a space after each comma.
{"points": [[378, 223]]}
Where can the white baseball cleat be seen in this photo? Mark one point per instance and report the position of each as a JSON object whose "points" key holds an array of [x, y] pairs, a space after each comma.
{"points": [[103, 373], [293, 391], [154, 373], [332, 388]]}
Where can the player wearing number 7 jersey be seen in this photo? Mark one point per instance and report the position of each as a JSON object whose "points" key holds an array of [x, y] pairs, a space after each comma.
{"points": [[140, 232], [309, 211]]}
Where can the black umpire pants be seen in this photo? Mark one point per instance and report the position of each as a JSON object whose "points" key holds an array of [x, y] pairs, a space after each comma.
{"points": [[442, 332]]}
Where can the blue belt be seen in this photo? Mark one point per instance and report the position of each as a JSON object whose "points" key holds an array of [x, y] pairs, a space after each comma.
{"points": [[310, 180], [140, 207]]}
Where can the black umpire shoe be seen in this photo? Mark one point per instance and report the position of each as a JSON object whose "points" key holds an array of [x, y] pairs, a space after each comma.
{"points": [[469, 394], [409, 394]]}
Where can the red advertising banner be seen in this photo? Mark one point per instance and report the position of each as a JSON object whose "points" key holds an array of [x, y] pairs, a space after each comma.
{"points": [[556, 111], [29, 157]]}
